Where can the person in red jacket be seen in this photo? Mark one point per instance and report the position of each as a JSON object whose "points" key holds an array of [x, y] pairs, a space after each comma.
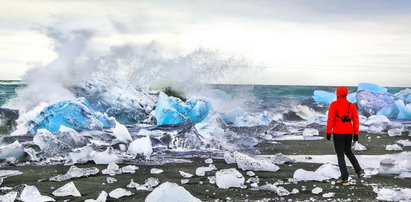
{"points": [[344, 123]]}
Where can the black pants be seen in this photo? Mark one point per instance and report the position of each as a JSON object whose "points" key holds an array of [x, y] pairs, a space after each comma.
{"points": [[342, 145]]}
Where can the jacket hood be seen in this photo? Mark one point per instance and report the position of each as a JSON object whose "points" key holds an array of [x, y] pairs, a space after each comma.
{"points": [[342, 92]]}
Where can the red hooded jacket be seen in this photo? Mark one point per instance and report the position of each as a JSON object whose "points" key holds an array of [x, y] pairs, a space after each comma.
{"points": [[339, 108]]}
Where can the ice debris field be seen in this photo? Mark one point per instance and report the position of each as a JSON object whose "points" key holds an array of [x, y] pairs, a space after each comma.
{"points": [[151, 146]]}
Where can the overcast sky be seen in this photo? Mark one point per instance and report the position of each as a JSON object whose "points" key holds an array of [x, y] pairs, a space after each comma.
{"points": [[318, 42]]}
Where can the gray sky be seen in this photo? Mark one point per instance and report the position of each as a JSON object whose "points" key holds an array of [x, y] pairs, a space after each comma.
{"points": [[341, 42]]}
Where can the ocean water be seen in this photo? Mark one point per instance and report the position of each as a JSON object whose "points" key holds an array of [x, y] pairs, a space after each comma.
{"points": [[8, 89]]}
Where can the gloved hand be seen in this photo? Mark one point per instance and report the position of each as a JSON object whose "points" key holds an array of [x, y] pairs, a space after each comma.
{"points": [[355, 137], [328, 136]]}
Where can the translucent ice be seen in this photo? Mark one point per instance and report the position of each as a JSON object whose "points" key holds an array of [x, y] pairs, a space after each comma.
{"points": [[171, 110], [76, 114], [112, 169], [404, 110], [68, 189], [371, 87], [200, 171], [404, 95], [75, 172], [31, 193], [280, 191], [121, 132], [170, 192], [14, 149], [141, 146], [185, 174], [371, 103], [106, 157], [156, 171], [120, 192], [152, 182], [229, 157], [227, 178], [329, 171], [321, 96], [280, 158], [129, 169], [249, 120], [303, 175], [245, 162]]}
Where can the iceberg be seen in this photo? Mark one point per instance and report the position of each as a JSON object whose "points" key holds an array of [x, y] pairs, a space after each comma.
{"points": [[31, 193], [126, 103], [227, 178], [246, 163], [171, 110], [404, 95], [76, 114], [68, 189], [170, 192], [371, 103], [371, 87], [141, 146], [75, 172], [404, 110], [120, 192]]}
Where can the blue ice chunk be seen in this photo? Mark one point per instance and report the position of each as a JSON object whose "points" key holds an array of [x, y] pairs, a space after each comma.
{"points": [[372, 87], [351, 97], [389, 111], [171, 110], [76, 114], [403, 113], [321, 96], [230, 116]]}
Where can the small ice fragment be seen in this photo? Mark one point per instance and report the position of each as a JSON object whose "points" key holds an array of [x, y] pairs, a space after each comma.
{"points": [[227, 178], [303, 175], [211, 179], [394, 194], [184, 181], [329, 171], [310, 132], [170, 192], [141, 146], [152, 182], [371, 171], [358, 147], [393, 147], [209, 161], [112, 169], [9, 197], [101, 198], [75, 172], [405, 143], [156, 171], [245, 162], [404, 174], [68, 189], [31, 193], [111, 180], [281, 191], [394, 132], [295, 191], [9, 173], [185, 174], [329, 195], [129, 169], [201, 170], [317, 190], [280, 158], [120, 192], [250, 173]]}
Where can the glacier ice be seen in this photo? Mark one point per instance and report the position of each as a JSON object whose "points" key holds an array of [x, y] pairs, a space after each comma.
{"points": [[75, 172], [404, 95], [170, 192], [76, 114], [317, 190], [358, 147], [68, 189], [141, 146], [185, 174], [393, 194], [121, 132], [227, 178], [156, 171], [31, 193], [404, 110], [371, 103], [120, 192], [102, 197], [172, 110], [14, 149], [393, 147], [280, 191], [127, 104], [245, 162], [371, 87], [9, 197], [106, 157]]}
